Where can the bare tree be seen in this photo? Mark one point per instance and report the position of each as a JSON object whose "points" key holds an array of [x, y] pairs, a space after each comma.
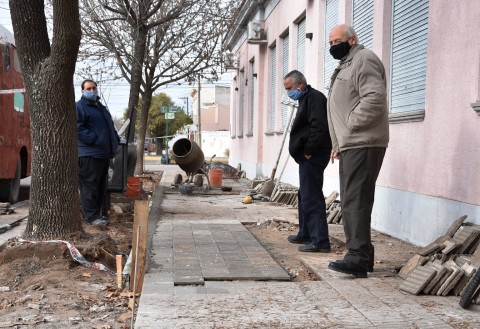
{"points": [[182, 42], [48, 69]]}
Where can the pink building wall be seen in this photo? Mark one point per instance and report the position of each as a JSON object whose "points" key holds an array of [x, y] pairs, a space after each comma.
{"points": [[429, 175]]}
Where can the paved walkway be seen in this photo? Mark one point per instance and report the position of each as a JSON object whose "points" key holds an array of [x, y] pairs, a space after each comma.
{"points": [[205, 269]]}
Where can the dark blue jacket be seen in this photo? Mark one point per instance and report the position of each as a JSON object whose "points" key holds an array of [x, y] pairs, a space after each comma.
{"points": [[309, 134], [97, 137]]}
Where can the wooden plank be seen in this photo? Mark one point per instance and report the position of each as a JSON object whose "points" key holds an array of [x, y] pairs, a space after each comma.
{"points": [[140, 222]]}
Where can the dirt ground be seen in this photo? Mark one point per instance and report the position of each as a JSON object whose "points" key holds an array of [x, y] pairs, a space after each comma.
{"points": [[41, 286], [273, 236], [47, 289]]}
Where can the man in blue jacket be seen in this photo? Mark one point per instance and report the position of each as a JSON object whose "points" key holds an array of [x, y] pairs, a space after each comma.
{"points": [[310, 146], [97, 143]]}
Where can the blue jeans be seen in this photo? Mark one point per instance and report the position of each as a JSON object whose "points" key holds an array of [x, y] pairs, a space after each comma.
{"points": [[312, 215]]}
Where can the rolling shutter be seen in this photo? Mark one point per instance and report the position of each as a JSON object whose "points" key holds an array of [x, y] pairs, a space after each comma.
{"points": [[285, 46], [234, 116], [409, 55], [331, 20], [363, 21], [302, 28], [252, 96], [242, 103], [273, 87]]}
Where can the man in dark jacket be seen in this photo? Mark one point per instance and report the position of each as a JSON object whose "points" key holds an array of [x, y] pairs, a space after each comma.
{"points": [[97, 143], [310, 147]]}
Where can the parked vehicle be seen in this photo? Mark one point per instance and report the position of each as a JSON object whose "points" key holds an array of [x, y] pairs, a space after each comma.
{"points": [[15, 139]]}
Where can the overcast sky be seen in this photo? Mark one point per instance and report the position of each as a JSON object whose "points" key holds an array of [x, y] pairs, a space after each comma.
{"points": [[115, 93]]}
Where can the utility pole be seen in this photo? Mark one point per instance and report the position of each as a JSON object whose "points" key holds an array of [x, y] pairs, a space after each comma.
{"points": [[199, 117], [185, 99]]}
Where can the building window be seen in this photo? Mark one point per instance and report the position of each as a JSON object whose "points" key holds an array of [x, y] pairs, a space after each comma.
{"points": [[408, 66], [242, 102], [273, 86], [285, 46], [252, 95], [301, 31], [363, 21], [331, 20], [234, 110]]}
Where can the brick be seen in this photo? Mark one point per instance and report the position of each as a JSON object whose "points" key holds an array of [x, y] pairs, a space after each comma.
{"points": [[418, 279], [440, 273], [431, 248], [440, 282], [411, 265], [451, 281], [449, 246], [455, 226]]}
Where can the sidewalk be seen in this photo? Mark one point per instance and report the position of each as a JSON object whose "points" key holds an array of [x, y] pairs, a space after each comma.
{"points": [[208, 271]]}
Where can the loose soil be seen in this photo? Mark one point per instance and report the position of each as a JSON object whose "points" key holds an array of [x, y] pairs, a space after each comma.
{"points": [[48, 289], [273, 235], [390, 254]]}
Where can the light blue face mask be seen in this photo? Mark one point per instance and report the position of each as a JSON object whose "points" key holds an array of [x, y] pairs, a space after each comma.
{"points": [[90, 95], [295, 94]]}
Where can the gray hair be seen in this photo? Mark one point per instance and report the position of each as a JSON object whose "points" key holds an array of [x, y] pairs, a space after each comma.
{"points": [[349, 32], [296, 76]]}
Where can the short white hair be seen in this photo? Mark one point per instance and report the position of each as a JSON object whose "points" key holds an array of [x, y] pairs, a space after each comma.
{"points": [[349, 32]]}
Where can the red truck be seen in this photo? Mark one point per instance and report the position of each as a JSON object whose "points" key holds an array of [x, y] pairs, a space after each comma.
{"points": [[15, 139]]}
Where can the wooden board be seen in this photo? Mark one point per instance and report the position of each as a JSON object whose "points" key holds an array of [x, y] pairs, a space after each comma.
{"points": [[140, 222]]}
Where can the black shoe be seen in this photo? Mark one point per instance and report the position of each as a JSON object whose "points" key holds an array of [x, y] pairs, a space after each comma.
{"points": [[313, 248], [294, 239], [348, 267]]}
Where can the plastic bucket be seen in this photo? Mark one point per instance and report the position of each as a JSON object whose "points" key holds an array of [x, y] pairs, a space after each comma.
{"points": [[215, 176], [133, 187]]}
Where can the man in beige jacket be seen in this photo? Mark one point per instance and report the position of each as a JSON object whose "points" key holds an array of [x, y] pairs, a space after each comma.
{"points": [[358, 123]]}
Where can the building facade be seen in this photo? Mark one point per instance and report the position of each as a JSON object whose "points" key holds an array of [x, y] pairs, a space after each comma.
{"points": [[428, 178]]}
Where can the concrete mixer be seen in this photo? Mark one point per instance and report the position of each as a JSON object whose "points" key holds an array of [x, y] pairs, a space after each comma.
{"points": [[189, 157]]}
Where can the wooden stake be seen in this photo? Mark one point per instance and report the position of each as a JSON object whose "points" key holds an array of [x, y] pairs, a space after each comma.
{"points": [[140, 219], [118, 258]]}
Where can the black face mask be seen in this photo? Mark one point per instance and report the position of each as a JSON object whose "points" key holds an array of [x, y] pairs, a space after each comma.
{"points": [[340, 50]]}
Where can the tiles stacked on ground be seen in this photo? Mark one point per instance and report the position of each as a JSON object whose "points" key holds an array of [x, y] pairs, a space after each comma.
{"points": [[446, 265]]}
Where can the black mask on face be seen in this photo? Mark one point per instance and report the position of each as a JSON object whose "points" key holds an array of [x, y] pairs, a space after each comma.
{"points": [[340, 50]]}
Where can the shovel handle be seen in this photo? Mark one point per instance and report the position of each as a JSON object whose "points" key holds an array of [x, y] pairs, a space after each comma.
{"points": [[274, 171]]}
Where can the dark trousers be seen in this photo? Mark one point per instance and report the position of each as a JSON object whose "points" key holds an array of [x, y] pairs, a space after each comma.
{"points": [[312, 217], [359, 170], [93, 183]]}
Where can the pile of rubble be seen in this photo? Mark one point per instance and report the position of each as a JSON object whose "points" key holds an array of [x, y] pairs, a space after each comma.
{"points": [[228, 171], [334, 209], [5, 209], [445, 266]]}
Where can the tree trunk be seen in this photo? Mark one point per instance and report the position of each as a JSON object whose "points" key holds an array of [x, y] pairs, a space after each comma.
{"points": [[137, 65], [146, 102], [48, 73]]}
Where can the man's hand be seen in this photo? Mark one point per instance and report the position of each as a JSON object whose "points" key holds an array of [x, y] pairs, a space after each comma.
{"points": [[308, 157], [334, 155]]}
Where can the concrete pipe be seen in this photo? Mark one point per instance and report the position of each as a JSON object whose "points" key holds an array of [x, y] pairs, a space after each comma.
{"points": [[188, 155]]}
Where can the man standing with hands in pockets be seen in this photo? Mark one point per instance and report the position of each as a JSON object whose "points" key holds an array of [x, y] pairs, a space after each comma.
{"points": [[310, 147], [358, 122]]}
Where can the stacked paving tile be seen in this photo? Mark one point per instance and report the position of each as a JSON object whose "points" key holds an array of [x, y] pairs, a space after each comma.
{"points": [[334, 209], [5, 208], [288, 195], [446, 265]]}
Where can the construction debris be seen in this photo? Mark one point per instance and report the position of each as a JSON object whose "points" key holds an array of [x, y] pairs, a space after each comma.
{"points": [[5, 208], [445, 266], [288, 194]]}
